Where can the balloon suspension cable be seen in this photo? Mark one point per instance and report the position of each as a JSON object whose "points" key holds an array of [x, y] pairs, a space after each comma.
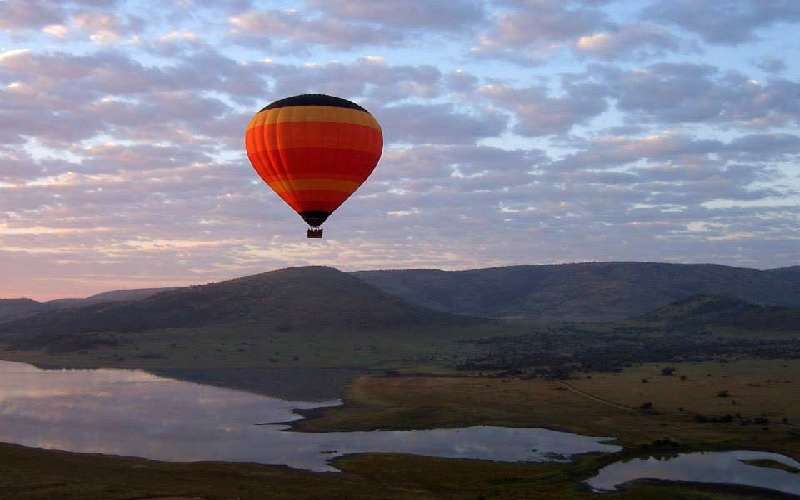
{"points": [[314, 232]]}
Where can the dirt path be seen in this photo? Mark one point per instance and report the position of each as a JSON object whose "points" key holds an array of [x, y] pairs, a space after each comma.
{"points": [[600, 400]]}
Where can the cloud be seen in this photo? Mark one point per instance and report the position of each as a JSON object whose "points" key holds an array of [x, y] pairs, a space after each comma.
{"points": [[687, 92], [539, 114], [83, 77], [465, 164], [724, 21], [29, 14], [111, 93], [676, 175], [369, 77], [766, 147], [533, 28], [178, 36], [453, 15], [16, 164], [771, 65], [56, 30], [438, 124], [60, 19], [616, 151], [298, 30], [536, 30], [634, 40], [345, 24], [105, 28]]}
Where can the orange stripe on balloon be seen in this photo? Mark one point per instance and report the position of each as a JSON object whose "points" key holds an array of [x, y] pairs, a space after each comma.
{"points": [[329, 114], [314, 184], [316, 135]]}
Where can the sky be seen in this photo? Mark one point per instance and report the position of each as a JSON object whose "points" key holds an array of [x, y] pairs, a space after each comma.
{"points": [[516, 132]]}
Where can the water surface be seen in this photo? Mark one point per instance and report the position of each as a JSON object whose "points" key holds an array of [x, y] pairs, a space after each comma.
{"points": [[294, 384], [704, 467], [134, 413]]}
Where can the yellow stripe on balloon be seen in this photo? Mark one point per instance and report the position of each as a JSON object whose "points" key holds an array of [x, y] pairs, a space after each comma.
{"points": [[329, 114]]}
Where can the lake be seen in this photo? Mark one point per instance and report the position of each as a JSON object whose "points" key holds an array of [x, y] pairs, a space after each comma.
{"points": [[134, 413], [725, 467]]}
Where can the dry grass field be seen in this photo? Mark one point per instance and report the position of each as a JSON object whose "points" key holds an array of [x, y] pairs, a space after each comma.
{"points": [[607, 404]]}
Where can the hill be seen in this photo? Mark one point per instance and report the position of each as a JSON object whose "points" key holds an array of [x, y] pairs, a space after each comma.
{"points": [[104, 297], [19, 308], [711, 310], [11, 309], [791, 272], [317, 298], [602, 291]]}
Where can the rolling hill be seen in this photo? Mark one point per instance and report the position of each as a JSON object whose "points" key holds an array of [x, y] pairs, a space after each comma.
{"points": [[712, 310], [320, 297], [317, 298], [20, 308], [791, 272], [105, 297], [319, 317], [602, 291]]}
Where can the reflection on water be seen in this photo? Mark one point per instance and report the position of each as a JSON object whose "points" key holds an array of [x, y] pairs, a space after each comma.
{"points": [[305, 384], [125, 412], [709, 467]]}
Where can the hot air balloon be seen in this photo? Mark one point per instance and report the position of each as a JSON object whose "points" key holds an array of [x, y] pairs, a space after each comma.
{"points": [[314, 151]]}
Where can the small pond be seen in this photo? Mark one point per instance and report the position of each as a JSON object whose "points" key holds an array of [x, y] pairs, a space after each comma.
{"points": [[726, 467], [134, 413]]}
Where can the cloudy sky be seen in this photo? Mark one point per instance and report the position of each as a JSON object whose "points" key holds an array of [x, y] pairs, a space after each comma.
{"points": [[517, 131]]}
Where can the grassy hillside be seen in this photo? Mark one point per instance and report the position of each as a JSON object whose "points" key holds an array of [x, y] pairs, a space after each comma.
{"points": [[712, 310], [19, 308], [300, 317], [318, 297], [607, 291], [104, 297], [11, 309], [603, 291], [317, 317], [791, 272]]}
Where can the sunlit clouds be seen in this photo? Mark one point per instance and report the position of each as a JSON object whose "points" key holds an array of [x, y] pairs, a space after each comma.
{"points": [[517, 131]]}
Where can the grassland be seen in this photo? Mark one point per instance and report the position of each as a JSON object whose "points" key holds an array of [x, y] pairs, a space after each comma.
{"points": [[426, 347], [598, 404]]}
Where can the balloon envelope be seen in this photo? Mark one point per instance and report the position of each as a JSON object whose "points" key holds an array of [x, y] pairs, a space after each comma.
{"points": [[314, 151]]}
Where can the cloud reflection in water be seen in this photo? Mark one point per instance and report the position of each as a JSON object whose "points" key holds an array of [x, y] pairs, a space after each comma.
{"points": [[125, 412]]}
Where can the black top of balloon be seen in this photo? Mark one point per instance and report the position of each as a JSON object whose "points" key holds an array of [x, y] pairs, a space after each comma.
{"points": [[314, 100]]}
